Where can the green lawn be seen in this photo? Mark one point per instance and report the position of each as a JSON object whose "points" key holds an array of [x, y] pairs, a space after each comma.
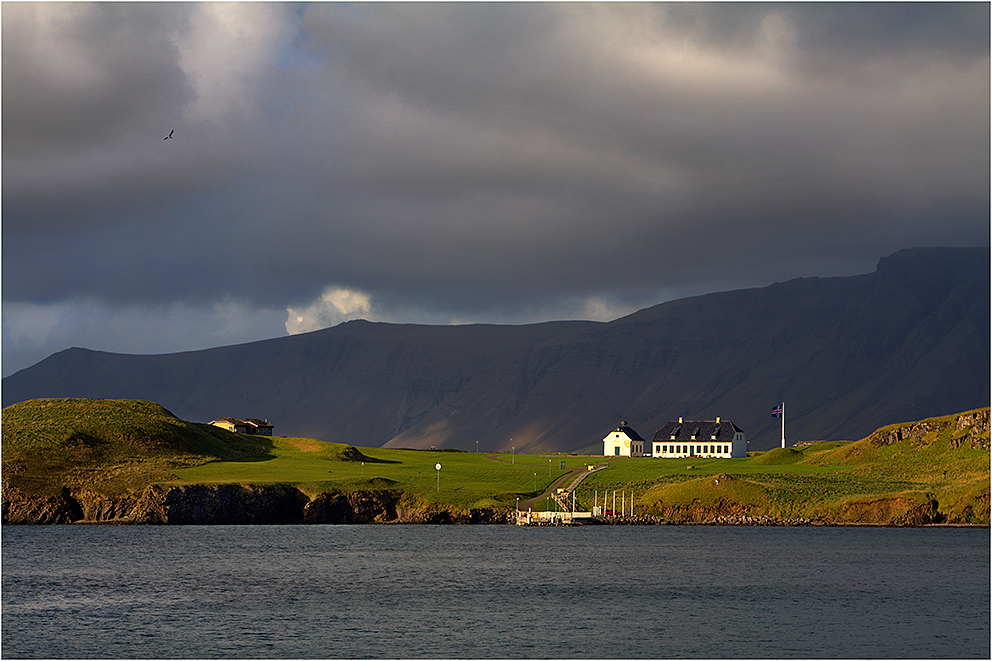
{"points": [[466, 478]]}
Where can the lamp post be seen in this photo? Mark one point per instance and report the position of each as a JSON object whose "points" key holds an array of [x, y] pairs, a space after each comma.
{"points": [[513, 451], [535, 481], [438, 468], [549, 468]]}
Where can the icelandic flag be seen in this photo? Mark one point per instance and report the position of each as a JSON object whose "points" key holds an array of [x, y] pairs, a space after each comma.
{"points": [[777, 411]]}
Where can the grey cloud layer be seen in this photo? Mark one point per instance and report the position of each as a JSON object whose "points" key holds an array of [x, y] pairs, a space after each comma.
{"points": [[459, 154]]}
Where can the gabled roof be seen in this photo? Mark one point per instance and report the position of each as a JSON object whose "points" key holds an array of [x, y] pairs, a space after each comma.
{"points": [[702, 429], [631, 434], [231, 420], [257, 422]]}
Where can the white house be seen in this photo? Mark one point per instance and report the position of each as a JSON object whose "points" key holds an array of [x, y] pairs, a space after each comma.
{"points": [[623, 442], [699, 438]]}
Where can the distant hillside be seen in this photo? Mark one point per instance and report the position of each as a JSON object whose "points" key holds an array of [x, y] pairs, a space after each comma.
{"points": [[909, 341]]}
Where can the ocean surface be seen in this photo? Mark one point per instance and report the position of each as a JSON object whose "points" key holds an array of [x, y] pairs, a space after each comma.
{"points": [[403, 591]]}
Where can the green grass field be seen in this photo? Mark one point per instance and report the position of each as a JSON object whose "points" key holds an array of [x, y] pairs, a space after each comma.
{"points": [[465, 479], [120, 447]]}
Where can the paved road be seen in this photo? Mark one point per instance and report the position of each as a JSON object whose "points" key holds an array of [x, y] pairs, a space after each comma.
{"points": [[569, 480]]}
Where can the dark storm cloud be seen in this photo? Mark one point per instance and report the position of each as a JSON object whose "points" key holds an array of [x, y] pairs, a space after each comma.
{"points": [[116, 71], [433, 162]]}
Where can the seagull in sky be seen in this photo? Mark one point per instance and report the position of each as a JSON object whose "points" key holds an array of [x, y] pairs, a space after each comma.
{"points": [[170, 134]]}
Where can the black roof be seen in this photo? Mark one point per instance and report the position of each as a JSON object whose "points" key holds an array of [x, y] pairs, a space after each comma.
{"points": [[703, 430], [631, 434]]}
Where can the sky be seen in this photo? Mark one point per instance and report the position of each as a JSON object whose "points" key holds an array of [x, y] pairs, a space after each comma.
{"points": [[465, 162]]}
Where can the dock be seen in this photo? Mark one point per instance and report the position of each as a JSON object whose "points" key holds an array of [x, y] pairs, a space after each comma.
{"points": [[529, 518], [565, 517]]}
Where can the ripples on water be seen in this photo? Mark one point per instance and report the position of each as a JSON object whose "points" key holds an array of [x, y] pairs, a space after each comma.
{"points": [[494, 592]]}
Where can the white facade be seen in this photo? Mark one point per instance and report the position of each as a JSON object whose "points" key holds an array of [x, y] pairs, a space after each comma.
{"points": [[699, 438], [623, 442], [701, 448]]}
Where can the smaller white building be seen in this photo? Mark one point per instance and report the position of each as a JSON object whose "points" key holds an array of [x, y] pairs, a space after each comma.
{"points": [[623, 442]]}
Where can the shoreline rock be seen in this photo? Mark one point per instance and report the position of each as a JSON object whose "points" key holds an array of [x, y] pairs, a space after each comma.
{"points": [[239, 504], [232, 504]]}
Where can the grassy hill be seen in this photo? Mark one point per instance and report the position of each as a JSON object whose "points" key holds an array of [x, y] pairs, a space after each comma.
{"points": [[898, 474], [111, 446]]}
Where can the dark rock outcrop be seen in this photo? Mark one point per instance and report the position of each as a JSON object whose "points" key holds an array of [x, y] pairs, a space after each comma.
{"points": [[20, 508], [220, 504], [97, 507], [354, 507], [975, 423], [487, 515]]}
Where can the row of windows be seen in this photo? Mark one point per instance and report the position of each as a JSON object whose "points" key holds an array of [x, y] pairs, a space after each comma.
{"points": [[695, 449]]}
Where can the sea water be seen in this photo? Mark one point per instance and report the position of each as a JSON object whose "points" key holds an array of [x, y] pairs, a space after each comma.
{"points": [[403, 591]]}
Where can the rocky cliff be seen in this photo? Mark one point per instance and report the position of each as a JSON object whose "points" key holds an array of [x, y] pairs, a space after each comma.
{"points": [[230, 504], [971, 429]]}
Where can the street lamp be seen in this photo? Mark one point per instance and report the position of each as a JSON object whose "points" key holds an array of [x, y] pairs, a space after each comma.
{"points": [[438, 468], [512, 452]]}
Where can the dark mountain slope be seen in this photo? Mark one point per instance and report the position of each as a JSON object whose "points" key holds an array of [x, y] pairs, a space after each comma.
{"points": [[847, 355]]}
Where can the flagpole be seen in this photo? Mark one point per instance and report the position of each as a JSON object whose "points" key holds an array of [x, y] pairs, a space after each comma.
{"points": [[783, 424]]}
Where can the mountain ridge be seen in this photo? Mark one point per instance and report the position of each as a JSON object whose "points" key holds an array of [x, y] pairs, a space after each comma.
{"points": [[847, 354]]}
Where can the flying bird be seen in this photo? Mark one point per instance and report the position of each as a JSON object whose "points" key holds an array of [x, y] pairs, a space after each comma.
{"points": [[170, 134]]}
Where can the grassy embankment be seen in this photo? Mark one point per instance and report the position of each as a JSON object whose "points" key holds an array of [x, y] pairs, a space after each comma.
{"points": [[119, 447], [848, 481]]}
